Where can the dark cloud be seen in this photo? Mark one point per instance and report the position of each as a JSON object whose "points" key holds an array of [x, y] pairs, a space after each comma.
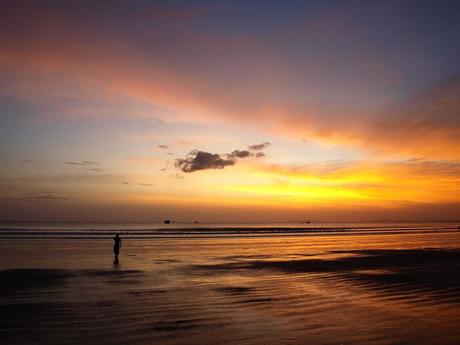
{"points": [[146, 184], [258, 147], [82, 163], [38, 196], [201, 160], [162, 146], [239, 154], [30, 161]]}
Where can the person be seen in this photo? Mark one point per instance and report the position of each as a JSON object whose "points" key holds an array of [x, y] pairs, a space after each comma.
{"points": [[116, 246]]}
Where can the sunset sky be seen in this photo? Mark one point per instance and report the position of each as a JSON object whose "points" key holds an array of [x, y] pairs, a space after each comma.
{"points": [[229, 110]]}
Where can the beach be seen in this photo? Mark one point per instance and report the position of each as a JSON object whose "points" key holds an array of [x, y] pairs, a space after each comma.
{"points": [[229, 172], [390, 287]]}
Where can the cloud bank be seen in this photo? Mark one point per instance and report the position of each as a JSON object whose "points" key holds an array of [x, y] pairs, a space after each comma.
{"points": [[241, 80]]}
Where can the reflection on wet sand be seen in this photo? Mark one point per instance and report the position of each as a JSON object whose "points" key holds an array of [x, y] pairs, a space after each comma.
{"points": [[416, 270]]}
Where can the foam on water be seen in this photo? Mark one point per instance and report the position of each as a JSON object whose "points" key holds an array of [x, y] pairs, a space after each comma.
{"points": [[160, 230]]}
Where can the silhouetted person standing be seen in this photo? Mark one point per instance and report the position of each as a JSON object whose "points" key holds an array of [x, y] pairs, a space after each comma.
{"points": [[116, 247]]}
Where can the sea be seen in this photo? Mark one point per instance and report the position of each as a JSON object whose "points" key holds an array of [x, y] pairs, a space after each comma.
{"points": [[146, 230]]}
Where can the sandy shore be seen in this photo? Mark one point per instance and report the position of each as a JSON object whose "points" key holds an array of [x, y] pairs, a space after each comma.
{"points": [[388, 289]]}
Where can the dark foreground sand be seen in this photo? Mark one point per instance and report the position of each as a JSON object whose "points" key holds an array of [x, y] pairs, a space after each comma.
{"points": [[385, 289]]}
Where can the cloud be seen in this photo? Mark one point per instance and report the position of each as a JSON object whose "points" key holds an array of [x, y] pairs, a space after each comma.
{"points": [[247, 153], [238, 79], [239, 154], [146, 184], [37, 196], [344, 183], [162, 146], [258, 147], [189, 92], [427, 123], [201, 160], [82, 163]]}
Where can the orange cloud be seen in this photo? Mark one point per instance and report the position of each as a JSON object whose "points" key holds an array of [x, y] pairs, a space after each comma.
{"points": [[386, 184], [427, 125]]}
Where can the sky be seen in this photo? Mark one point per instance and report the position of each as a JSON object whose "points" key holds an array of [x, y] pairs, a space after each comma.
{"points": [[229, 110]]}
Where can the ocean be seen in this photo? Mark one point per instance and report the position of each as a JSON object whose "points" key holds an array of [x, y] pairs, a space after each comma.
{"points": [[146, 230]]}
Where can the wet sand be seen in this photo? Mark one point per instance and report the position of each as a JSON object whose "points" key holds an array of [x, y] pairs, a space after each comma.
{"points": [[367, 289]]}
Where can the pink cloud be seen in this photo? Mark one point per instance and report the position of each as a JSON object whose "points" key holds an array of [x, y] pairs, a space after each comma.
{"points": [[244, 84]]}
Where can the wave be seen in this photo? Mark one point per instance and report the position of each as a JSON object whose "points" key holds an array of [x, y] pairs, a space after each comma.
{"points": [[220, 231]]}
